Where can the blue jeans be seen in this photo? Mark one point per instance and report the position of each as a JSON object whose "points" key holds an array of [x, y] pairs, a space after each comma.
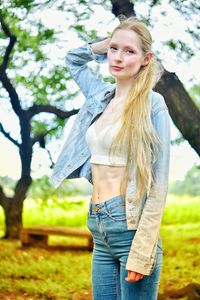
{"points": [[112, 242]]}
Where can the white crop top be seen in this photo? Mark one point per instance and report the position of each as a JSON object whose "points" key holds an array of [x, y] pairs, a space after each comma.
{"points": [[99, 145]]}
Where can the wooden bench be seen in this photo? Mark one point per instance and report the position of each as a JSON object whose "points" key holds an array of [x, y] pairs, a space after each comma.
{"points": [[37, 236]]}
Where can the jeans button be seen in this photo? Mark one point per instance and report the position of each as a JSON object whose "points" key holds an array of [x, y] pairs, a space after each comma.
{"points": [[132, 221], [96, 208]]}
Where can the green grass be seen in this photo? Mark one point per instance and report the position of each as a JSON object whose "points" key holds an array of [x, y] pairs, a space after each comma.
{"points": [[73, 211], [30, 273], [181, 210], [43, 274], [181, 260], [67, 212]]}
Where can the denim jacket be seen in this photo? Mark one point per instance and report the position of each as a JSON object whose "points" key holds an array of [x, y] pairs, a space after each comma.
{"points": [[74, 160]]}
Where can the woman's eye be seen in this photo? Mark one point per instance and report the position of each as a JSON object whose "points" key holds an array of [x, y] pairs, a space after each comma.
{"points": [[113, 48], [129, 51]]}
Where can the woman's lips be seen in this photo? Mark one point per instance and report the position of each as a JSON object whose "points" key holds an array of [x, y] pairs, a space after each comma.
{"points": [[116, 68]]}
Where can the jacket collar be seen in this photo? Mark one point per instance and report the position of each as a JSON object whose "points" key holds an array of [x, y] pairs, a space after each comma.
{"points": [[98, 103]]}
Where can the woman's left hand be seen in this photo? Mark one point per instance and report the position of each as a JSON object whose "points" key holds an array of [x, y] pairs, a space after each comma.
{"points": [[134, 276]]}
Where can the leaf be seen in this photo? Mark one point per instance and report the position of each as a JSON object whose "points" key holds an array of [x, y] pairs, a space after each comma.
{"points": [[80, 28], [171, 44]]}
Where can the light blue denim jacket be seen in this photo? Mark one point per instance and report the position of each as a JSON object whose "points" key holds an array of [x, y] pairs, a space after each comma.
{"points": [[74, 160]]}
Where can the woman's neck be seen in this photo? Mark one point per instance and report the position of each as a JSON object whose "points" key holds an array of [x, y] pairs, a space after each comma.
{"points": [[122, 89]]}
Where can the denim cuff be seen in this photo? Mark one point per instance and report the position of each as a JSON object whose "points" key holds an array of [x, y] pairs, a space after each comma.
{"points": [[140, 264], [99, 58]]}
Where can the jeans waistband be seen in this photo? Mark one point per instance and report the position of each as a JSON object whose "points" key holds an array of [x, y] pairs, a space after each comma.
{"points": [[107, 205]]}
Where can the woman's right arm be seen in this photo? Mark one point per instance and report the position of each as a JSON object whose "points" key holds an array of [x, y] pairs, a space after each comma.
{"points": [[76, 60]]}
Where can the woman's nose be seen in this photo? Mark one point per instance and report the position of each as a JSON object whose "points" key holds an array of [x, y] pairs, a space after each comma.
{"points": [[118, 56]]}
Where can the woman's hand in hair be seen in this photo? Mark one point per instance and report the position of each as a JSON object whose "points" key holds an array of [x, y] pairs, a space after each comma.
{"points": [[134, 276], [101, 47]]}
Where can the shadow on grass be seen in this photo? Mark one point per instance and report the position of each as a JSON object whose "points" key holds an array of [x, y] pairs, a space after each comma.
{"points": [[189, 292]]}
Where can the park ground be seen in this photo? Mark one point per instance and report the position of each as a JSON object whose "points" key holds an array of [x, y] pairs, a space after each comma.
{"points": [[57, 274]]}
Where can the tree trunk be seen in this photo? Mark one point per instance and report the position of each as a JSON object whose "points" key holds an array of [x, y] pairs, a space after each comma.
{"points": [[13, 209], [13, 219], [124, 7], [182, 109]]}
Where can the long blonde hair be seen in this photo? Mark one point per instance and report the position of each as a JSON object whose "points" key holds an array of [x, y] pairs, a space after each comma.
{"points": [[137, 136]]}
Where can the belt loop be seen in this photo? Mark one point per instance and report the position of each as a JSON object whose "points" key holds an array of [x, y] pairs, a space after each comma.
{"points": [[90, 207], [106, 209], [123, 199]]}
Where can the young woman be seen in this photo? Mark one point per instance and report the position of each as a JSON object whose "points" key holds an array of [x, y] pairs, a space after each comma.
{"points": [[120, 142]]}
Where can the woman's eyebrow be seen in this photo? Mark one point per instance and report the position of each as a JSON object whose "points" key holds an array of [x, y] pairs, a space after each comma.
{"points": [[124, 46], [113, 43], [130, 47]]}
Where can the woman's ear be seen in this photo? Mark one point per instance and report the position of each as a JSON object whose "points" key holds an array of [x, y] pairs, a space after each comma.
{"points": [[147, 58]]}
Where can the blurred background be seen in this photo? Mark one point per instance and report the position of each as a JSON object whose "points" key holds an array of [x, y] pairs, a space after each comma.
{"points": [[39, 102]]}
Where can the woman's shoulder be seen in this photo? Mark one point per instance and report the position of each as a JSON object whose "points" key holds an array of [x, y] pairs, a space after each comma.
{"points": [[157, 102]]}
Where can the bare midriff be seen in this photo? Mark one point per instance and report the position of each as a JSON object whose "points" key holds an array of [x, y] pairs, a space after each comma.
{"points": [[107, 181]]}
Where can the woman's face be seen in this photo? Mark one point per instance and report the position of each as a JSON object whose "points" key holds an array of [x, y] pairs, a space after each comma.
{"points": [[125, 56]]}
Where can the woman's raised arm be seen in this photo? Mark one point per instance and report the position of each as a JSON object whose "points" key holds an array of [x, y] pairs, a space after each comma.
{"points": [[77, 59]]}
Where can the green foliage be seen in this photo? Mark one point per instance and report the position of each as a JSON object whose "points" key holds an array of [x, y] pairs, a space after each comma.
{"points": [[188, 11], [47, 126], [181, 48], [46, 82], [30, 39], [42, 189], [83, 33], [156, 2], [28, 5], [38, 127], [33, 73], [8, 185], [171, 44], [178, 140], [194, 92], [190, 185]]}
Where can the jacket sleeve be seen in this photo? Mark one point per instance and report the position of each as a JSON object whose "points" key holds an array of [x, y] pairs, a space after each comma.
{"points": [[88, 81], [142, 256]]}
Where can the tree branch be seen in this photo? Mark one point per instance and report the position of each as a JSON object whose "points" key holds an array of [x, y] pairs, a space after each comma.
{"points": [[36, 109], [7, 135], [14, 99], [41, 140], [50, 157], [3, 76], [10, 45]]}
